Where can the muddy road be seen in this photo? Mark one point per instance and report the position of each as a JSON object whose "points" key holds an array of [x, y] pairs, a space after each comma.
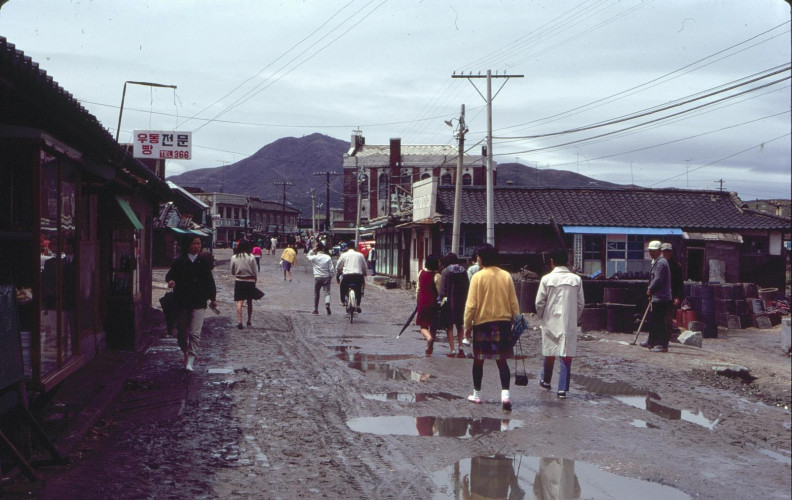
{"points": [[311, 406]]}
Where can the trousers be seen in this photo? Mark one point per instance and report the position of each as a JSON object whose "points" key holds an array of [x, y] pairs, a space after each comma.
{"points": [[190, 323]]}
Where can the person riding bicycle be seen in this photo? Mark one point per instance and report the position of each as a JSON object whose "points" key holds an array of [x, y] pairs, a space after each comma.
{"points": [[351, 267]]}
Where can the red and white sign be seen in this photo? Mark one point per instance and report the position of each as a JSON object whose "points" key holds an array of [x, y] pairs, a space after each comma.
{"points": [[162, 144]]}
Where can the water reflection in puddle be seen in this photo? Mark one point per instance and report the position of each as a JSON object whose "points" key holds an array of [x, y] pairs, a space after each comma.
{"points": [[384, 371], [502, 477], [351, 354], [405, 425], [647, 403], [412, 397], [643, 400]]}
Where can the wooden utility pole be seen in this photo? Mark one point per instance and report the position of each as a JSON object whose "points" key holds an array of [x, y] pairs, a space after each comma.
{"points": [[327, 196], [283, 209], [313, 210], [460, 132], [490, 176]]}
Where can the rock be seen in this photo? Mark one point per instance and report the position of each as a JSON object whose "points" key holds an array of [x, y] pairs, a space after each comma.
{"points": [[689, 337]]}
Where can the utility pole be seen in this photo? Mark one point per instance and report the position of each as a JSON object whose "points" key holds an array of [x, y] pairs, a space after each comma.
{"points": [[460, 133], [327, 196], [490, 176], [283, 209], [313, 210], [720, 181]]}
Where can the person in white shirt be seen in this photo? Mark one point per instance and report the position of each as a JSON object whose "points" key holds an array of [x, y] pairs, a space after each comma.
{"points": [[351, 269], [559, 304], [323, 271]]}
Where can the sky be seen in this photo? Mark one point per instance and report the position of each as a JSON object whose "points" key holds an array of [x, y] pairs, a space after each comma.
{"points": [[673, 93]]}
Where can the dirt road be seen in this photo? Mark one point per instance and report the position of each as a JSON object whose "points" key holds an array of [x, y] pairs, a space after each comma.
{"points": [[311, 406]]}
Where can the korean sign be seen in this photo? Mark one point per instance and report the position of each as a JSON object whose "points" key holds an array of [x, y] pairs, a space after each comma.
{"points": [[162, 144]]}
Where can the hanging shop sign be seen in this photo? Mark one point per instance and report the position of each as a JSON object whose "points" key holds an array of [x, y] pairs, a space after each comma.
{"points": [[162, 144]]}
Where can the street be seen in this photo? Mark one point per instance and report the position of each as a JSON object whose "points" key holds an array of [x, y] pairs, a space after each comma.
{"points": [[311, 406]]}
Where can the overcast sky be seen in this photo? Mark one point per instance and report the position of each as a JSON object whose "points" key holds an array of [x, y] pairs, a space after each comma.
{"points": [[250, 72]]}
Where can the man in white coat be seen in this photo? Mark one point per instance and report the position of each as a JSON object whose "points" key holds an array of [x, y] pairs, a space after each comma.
{"points": [[559, 304]]}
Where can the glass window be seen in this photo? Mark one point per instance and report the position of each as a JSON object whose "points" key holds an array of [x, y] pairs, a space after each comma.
{"points": [[364, 187], [446, 179], [382, 187], [467, 179]]}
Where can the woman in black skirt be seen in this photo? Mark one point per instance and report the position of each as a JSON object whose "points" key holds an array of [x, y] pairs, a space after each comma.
{"points": [[243, 268]]}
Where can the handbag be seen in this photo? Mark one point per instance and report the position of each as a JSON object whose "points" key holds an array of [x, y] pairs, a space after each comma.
{"points": [[257, 294], [520, 375]]}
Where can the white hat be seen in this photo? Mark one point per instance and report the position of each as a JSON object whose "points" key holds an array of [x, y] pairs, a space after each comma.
{"points": [[666, 246], [654, 245]]}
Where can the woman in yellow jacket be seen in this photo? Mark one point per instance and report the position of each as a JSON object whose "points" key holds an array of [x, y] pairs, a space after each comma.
{"points": [[288, 259], [489, 313]]}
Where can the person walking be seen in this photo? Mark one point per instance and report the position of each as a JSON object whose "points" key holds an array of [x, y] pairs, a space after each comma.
{"points": [[323, 271], [273, 244], [288, 259], [559, 304], [372, 259], [256, 253], [243, 269], [489, 313], [474, 266], [426, 296], [351, 271], [659, 290], [190, 277], [452, 293]]}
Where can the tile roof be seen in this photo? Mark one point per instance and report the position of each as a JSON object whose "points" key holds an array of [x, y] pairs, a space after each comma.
{"points": [[669, 208]]}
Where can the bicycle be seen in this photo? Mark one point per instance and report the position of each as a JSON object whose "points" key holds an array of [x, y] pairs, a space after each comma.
{"points": [[351, 305]]}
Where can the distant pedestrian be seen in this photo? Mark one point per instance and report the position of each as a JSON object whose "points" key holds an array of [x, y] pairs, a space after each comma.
{"points": [[474, 267], [426, 296], [256, 253], [323, 271], [660, 292], [489, 313], [193, 284], [559, 304], [453, 290], [288, 260], [372, 259], [243, 269], [273, 244]]}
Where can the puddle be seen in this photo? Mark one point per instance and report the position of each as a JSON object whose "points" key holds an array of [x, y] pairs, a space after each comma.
{"points": [[405, 425], [385, 371], [349, 354], [220, 371], [647, 403], [642, 424], [163, 348], [642, 399], [783, 456], [520, 476], [412, 397]]}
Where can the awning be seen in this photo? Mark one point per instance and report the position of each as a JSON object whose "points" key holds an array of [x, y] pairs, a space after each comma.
{"points": [[651, 231], [728, 237], [129, 212]]}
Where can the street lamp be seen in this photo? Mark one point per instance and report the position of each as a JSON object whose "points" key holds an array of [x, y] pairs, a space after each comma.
{"points": [[123, 96]]}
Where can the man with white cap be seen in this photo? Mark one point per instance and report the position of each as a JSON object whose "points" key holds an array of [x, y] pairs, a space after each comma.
{"points": [[660, 291]]}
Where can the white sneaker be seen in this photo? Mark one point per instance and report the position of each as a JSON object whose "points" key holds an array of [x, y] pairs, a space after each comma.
{"points": [[465, 341], [190, 361], [475, 397]]}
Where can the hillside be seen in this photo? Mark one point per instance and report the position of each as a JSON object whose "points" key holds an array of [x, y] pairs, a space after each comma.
{"points": [[295, 159]]}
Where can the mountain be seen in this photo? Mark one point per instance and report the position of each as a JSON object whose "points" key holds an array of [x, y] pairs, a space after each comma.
{"points": [[523, 175], [295, 159], [291, 160]]}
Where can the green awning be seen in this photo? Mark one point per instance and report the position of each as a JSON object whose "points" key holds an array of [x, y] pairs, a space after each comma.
{"points": [[129, 213]]}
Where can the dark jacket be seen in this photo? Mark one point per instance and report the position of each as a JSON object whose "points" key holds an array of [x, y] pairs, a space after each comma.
{"points": [[454, 285], [677, 282], [194, 281]]}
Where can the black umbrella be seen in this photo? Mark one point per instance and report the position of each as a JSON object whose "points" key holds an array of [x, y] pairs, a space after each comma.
{"points": [[409, 320]]}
